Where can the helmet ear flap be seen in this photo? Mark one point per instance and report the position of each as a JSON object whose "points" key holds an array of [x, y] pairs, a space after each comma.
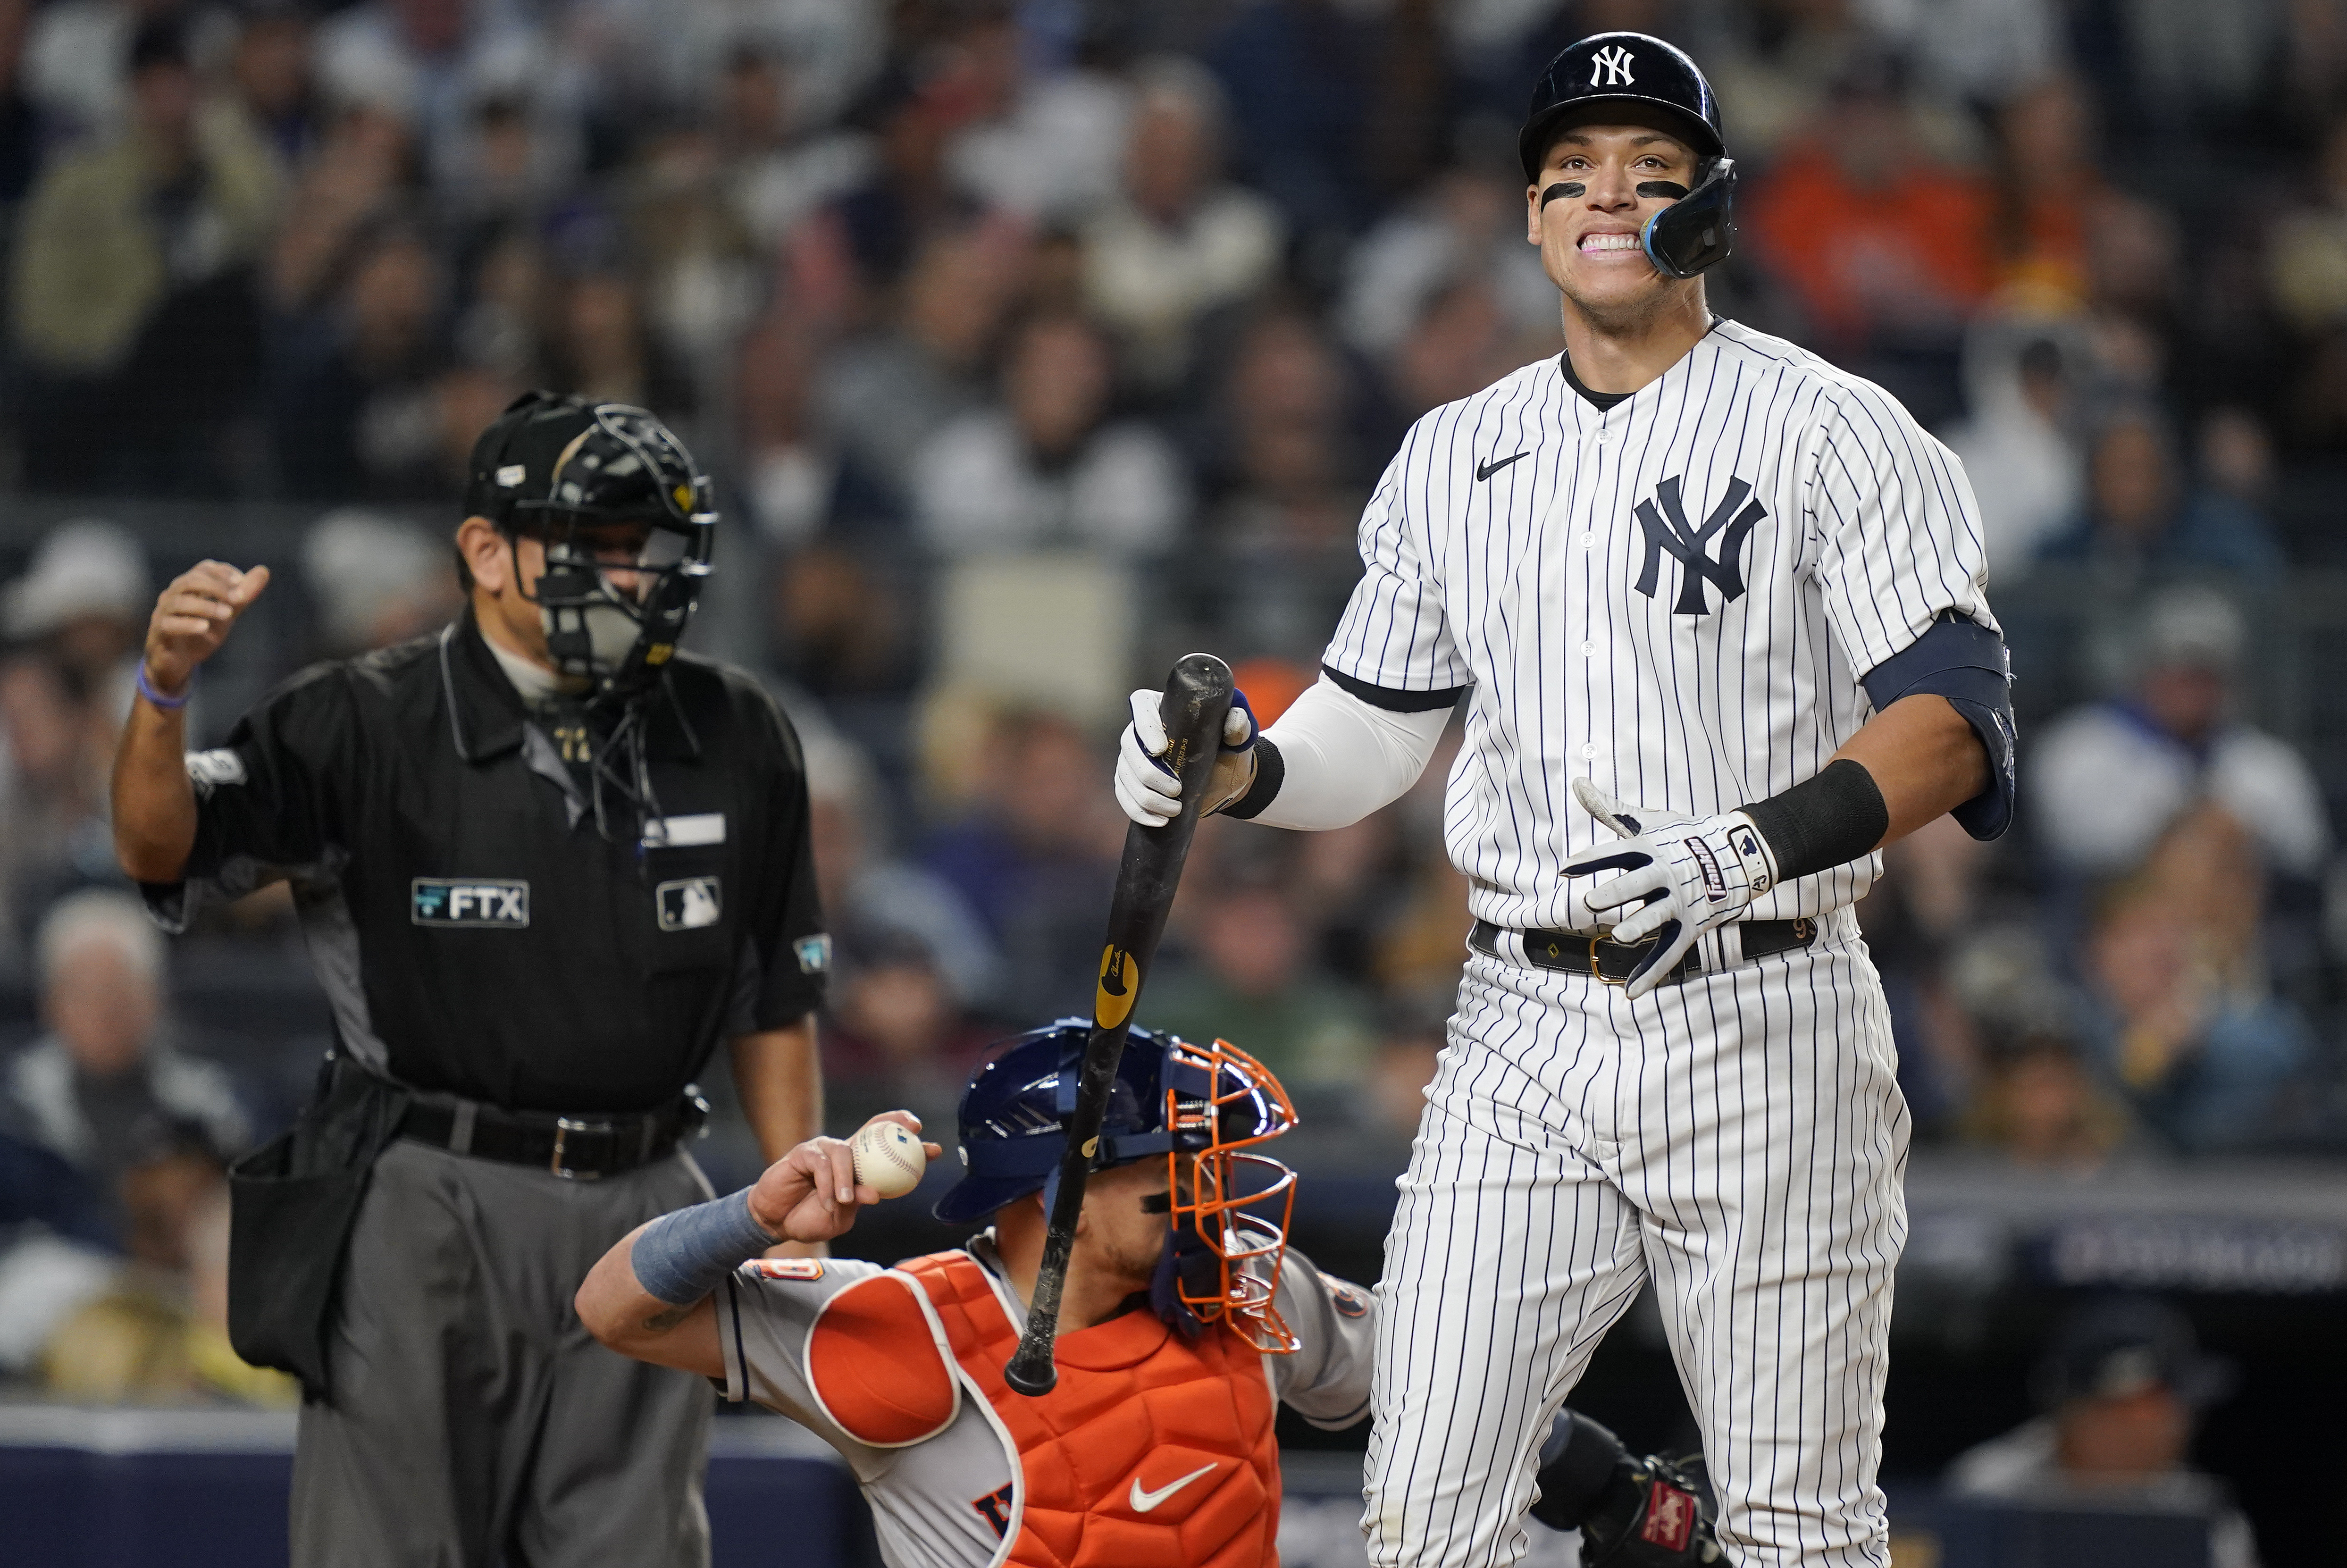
{"points": [[1697, 231]]}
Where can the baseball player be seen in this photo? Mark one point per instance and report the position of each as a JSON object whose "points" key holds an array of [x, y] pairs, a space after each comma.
{"points": [[1186, 1321], [1715, 608]]}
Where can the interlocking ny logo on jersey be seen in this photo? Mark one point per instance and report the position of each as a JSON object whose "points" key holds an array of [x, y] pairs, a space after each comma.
{"points": [[1666, 529], [1611, 69], [460, 901]]}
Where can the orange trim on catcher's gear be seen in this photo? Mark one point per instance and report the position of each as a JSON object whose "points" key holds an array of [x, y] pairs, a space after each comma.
{"points": [[1229, 1195], [875, 1366], [1152, 1452]]}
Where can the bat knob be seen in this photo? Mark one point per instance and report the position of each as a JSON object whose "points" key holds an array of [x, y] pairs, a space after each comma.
{"points": [[1034, 1381]]}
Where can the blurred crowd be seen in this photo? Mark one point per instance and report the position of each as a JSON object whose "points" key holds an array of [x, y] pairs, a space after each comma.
{"points": [[1032, 342]]}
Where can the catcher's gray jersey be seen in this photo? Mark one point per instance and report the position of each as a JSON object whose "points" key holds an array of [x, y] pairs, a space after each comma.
{"points": [[934, 1502], [1676, 596]]}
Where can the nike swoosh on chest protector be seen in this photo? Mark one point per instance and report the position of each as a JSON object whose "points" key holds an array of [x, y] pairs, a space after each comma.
{"points": [[1143, 1501]]}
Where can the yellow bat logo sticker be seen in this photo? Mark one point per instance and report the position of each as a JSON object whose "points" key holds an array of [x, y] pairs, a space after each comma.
{"points": [[1120, 979]]}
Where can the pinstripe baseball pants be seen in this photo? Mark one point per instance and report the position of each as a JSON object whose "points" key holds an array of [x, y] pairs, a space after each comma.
{"points": [[1740, 1139]]}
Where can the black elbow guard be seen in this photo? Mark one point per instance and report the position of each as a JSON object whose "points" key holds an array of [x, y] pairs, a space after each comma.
{"points": [[1965, 663]]}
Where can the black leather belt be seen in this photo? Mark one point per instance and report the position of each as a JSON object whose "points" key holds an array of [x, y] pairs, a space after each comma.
{"points": [[578, 1148], [1612, 962]]}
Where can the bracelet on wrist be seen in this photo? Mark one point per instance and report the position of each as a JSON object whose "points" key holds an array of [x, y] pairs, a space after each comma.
{"points": [[169, 705]]}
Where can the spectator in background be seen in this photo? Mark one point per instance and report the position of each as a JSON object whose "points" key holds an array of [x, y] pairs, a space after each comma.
{"points": [[2121, 1386], [1299, 77], [2109, 779], [777, 167], [2141, 519], [1252, 979], [885, 394], [104, 1076], [20, 124], [133, 298], [2049, 191], [895, 1036], [873, 899], [270, 70], [159, 1333], [83, 599], [1049, 149], [1047, 469], [2017, 448], [53, 830], [602, 350], [2175, 1014], [1467, 223], [1882, 244], [434, 62], [1178, 242], [375, 582], [2038, 1106], [356, 403], [1034, 853]]}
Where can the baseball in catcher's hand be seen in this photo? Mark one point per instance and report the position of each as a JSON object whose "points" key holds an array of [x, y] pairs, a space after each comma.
{"points": [[889, 1158], [1145, 785]]}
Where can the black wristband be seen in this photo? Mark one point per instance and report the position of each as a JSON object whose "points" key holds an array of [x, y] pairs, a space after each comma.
{"points": [[1823, 822], [1270, 772]]}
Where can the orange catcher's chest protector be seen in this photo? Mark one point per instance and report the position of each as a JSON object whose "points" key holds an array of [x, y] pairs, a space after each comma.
{"points": [[1154, 1452]]}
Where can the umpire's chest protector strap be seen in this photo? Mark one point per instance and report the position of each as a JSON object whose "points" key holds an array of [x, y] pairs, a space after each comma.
{"points": [[1961, 660]]}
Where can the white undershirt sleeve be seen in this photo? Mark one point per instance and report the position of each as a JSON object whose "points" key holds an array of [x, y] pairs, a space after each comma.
{"points": [[1346, 757]]}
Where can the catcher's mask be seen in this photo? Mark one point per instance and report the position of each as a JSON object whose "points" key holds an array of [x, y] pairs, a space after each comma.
{"points": [[1202, 1109], [626, 520]]}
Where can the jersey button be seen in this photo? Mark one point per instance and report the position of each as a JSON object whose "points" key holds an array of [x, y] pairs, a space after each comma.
{"points": [[1589, 647], [1588, 540], [1588, 750]]}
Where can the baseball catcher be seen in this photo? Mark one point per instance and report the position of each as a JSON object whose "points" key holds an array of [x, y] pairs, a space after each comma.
{"points": [[1186, 1321]]}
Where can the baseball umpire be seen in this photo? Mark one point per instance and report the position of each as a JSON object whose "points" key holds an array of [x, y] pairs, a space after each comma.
{"points": [[546, 862], [1728, 599], [1187, 1320]]}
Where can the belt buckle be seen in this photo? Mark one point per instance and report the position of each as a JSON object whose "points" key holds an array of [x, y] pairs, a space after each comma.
{"points": [[563, 1127], [1597, 966]]}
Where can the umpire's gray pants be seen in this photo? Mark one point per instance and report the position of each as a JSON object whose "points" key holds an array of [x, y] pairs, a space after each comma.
{"points": [[474, 1423]]}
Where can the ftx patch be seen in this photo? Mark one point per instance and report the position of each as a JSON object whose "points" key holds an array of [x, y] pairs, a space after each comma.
{"points": [[465, 901]]}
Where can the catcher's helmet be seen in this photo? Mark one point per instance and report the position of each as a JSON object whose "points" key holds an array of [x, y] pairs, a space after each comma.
{"points": [[1197, 1107], [561, 469], [1696, 231]]}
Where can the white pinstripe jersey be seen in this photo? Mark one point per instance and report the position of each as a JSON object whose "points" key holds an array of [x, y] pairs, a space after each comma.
{"points": [[1677, 596]]}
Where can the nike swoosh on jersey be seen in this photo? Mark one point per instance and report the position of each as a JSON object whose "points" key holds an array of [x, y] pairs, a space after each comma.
{"points": [[1143, 1501], [1485, 470]]}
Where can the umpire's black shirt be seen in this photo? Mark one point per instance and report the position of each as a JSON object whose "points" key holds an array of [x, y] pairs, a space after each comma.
{"points": [[473, 931]]}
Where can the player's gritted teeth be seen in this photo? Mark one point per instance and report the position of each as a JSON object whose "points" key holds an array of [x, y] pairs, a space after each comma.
{"points": [[1601, 244]]}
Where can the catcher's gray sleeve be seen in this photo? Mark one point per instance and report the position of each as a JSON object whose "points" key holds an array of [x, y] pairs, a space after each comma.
{"points": [[1327, 1381]]}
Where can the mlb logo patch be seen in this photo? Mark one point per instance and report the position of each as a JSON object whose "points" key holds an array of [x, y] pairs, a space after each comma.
{"points": [[688, 903], [469, 902]]}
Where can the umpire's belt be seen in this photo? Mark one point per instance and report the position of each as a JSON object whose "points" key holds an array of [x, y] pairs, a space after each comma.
{"points": [[578, 1148], [1613, 962]]}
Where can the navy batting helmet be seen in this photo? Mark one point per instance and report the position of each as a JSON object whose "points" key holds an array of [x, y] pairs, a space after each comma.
{"points": [[1195, 1107], [1696, 230]]}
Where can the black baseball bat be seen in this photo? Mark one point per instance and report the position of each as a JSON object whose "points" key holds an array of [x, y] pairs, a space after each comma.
{"points": [[1197, 697]]}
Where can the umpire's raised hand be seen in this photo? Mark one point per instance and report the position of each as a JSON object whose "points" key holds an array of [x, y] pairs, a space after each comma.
{"points": [[154, 802], [193, 618]]}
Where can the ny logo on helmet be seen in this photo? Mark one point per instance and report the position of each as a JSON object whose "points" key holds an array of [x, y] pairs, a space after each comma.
{"points": [[1668, 529], [1611, 69]]}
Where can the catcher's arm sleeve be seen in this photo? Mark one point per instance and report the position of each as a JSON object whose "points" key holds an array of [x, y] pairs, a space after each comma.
{"points": [[1327, 1381], [1343, 758]]}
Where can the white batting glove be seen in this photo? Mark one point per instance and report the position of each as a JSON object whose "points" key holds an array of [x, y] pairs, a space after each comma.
{"points": [[1145, 785], [1688, 874]]}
